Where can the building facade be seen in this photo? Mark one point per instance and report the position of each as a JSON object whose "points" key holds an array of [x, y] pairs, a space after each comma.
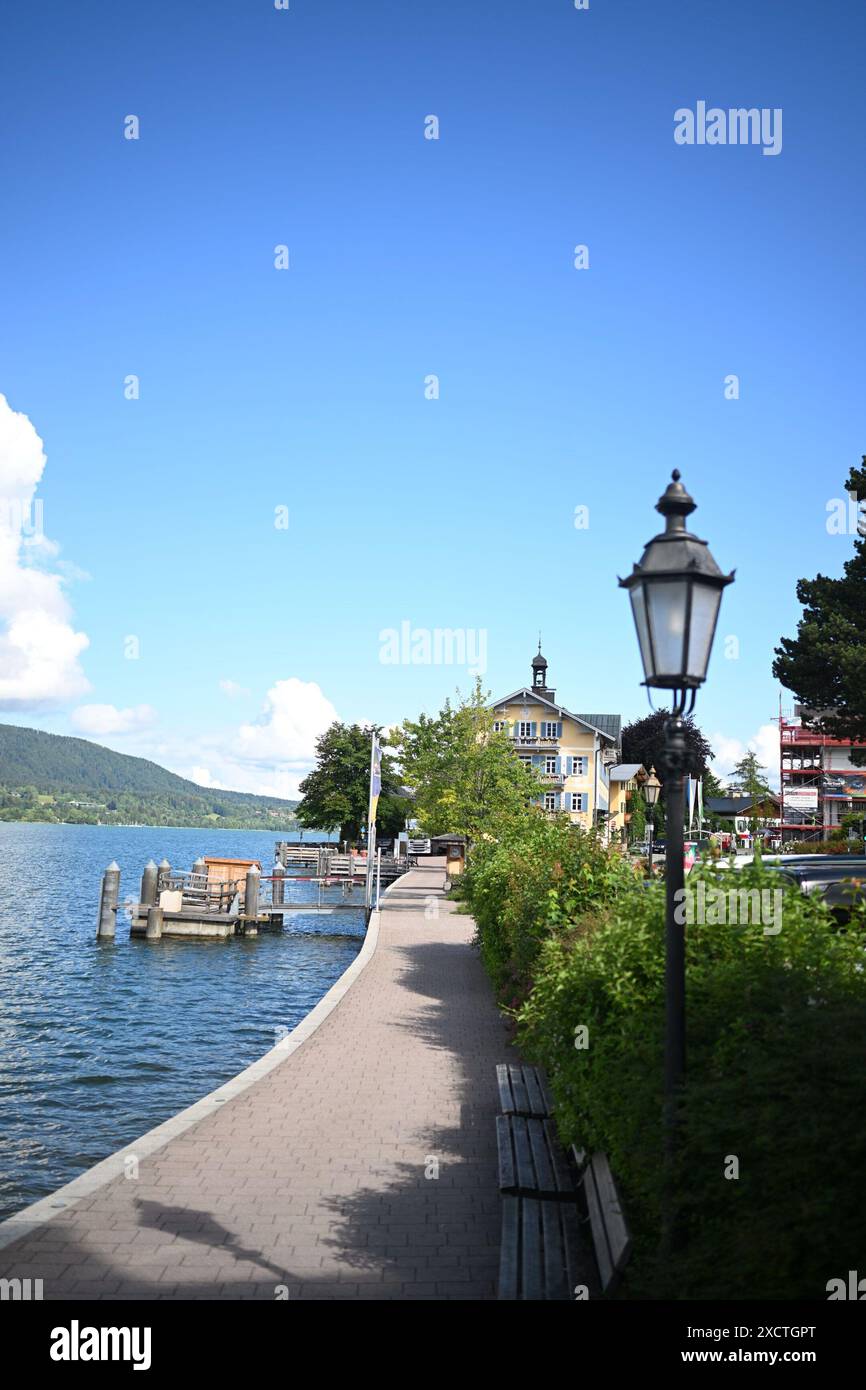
{"points": [[626, 782], [573, 753], [820, 784]]}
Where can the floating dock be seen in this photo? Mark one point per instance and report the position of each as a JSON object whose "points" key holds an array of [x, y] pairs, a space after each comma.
{"points": [[220, 897]]}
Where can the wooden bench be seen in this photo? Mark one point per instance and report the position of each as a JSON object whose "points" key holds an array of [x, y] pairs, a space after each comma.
{"points": [[611, 1238], [523, 1091], [542, 1253], [531, 1160]]}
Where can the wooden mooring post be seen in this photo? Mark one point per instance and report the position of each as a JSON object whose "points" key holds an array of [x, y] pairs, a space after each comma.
{"points": [[251, 900], [153, 931], [278, 885], [106, 926], [149, 884]]}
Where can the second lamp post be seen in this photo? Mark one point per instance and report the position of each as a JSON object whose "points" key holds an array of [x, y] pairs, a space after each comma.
{"points": [[675, 592]]}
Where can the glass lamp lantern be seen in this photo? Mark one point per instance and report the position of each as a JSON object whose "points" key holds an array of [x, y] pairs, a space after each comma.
{"points": [[676, 593], [651, 788]]}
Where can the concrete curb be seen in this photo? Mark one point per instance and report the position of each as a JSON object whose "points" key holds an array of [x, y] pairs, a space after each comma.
{"points": [[31, 1218]]}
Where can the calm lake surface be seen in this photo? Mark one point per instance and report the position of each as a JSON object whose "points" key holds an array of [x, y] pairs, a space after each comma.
{"points": [[100, 1042]]}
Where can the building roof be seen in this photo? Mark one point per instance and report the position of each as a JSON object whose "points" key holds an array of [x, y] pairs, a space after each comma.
{"points": [[610, 724], [529, 696], [737, 805], [623, 772]]}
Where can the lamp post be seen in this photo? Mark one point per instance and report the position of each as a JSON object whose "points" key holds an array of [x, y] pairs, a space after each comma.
{"points": [[676, 593], [651, 788]]}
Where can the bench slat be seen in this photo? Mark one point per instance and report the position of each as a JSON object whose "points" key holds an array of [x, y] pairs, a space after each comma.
{"points": [[539, 1143], [519, 1092], [509, 1249], [507, 1172], [526, 1179], [532, 1261], [556, 1274], [563, 1176], [599, 1231], [535, 1094], [618, 1235], [503, 1081]]}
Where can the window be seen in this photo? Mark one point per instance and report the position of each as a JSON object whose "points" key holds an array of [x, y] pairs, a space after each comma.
{"points": [[525, 759], [524, 729], [550, 801], [578, 766], [498, 725], [577, 801], [550, 766], [549, 729]]}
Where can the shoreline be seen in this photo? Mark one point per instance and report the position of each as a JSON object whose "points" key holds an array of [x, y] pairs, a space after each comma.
{"points": [[35, 1215]]}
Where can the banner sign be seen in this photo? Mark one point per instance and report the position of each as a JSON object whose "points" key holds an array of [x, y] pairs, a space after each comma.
{"points": [[804, 799]]}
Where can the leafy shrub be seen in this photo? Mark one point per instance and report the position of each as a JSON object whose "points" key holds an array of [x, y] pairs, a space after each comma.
{"points": [[776, 1031], [523, 889]]}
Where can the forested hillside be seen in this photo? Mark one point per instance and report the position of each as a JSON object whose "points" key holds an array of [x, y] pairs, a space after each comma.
{"points": [[49, 777]]}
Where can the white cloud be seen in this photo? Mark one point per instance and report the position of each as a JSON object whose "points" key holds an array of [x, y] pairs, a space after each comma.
{"points": [[39, 648], [295, 713], [268, 757], [99, 720], [730, 751], [232, 689]]}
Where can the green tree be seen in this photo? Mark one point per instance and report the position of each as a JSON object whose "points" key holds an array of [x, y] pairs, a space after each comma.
{"points": [[643, 741], [636, 806], [335, 795], [825, 664], [464, 774], [749, 778]]}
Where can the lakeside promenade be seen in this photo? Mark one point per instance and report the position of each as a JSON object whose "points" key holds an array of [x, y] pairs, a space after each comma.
{"points": [[318, 1180]]}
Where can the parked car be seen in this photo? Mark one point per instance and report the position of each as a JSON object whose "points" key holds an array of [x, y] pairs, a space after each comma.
{"points": [[839, 879]]}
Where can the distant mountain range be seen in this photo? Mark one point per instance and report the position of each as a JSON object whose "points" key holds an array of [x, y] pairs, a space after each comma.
{"points": [[49, 777]]}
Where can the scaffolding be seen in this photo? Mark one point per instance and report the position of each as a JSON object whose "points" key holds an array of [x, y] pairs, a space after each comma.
{"points": [[819, 783]]}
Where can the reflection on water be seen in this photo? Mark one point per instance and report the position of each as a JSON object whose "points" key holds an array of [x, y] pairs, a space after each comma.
{"points": [[100, 1042]]}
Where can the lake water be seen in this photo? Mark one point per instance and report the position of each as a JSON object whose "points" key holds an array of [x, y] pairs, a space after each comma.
{"points": [[99, 1042]]}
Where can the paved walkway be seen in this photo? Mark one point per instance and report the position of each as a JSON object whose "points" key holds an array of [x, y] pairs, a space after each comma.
{"points": [[319, 1177]]}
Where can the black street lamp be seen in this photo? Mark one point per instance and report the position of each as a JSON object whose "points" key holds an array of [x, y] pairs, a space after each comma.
{"points": [[675, 592], [651, 788]]}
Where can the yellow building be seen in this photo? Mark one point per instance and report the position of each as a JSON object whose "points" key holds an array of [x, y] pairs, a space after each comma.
{"points": [[625, 779], [573, 753]]}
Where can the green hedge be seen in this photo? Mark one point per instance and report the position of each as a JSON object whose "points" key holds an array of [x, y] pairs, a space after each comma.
{"points": [[824, 847], [776, 1028], [523, 890]]}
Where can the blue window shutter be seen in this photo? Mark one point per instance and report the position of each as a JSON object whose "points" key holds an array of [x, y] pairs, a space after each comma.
{"points": [[537, 759], [559, 729], [532, 728], [558, 766]]}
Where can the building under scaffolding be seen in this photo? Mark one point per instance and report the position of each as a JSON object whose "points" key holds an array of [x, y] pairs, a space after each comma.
{"points": [[820, 784]]}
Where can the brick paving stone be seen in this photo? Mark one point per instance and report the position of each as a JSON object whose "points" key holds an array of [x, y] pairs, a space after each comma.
{"points": [[316, 1176]]}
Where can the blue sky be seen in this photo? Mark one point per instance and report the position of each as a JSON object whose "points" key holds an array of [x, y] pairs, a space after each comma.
{"points": [[305, 388]]}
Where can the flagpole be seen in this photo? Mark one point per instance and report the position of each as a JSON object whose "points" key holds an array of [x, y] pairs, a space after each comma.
{"points": [[375, 786]]}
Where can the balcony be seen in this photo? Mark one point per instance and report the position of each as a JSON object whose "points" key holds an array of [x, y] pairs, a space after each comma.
{"points": [[536, 742]]}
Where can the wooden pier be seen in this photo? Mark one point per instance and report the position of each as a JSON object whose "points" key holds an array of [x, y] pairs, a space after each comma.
{"points": [[220, 897]]}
